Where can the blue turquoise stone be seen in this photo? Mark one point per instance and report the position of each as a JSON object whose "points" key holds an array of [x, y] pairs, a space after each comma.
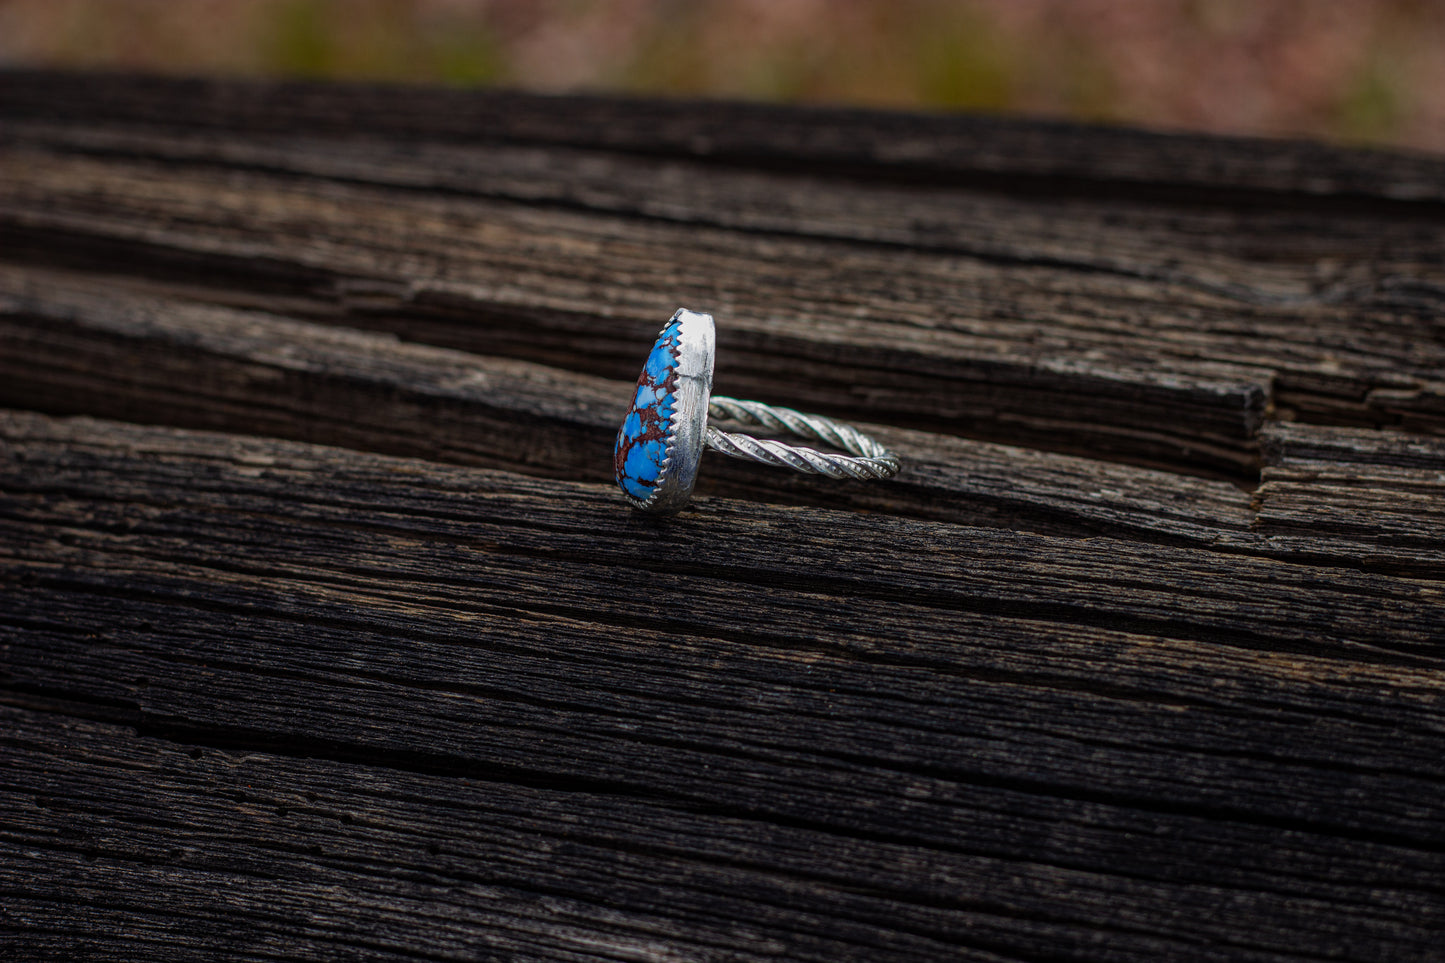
{"points": [[647, 431]]}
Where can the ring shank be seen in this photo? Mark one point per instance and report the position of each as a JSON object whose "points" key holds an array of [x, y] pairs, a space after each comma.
{"points": [[868, 459]]}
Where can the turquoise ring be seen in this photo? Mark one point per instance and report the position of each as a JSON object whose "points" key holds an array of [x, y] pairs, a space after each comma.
{"points": [[666, 428]]}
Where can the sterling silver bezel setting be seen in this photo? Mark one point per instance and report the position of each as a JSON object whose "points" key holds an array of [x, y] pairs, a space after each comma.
{"points": [[696, 347]]}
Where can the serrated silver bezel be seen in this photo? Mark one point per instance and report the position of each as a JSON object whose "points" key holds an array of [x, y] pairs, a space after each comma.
{"points": [[696, 346]]}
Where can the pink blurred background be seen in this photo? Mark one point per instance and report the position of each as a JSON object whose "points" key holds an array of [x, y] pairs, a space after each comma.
{"points": [[1360, 71]]}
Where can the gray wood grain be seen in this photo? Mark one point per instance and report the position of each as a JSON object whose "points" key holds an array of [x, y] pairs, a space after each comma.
{"points": [[325, 635], [891, 336], [1038, 156], [1362, 497], [75, 345], [1126, 324], [966, 707], [78, 345]]}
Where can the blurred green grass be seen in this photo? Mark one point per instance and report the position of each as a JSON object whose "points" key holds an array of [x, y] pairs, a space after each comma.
{"points": [[1367, 71]]}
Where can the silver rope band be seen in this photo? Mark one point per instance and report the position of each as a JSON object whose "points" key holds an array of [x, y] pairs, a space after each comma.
{"points": [[668, 426], [868, 460]]}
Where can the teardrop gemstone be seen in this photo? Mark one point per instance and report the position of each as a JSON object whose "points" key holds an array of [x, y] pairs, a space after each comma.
{"points": [[646, 434]]}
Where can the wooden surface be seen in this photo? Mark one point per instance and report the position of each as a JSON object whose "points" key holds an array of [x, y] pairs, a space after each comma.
{"points": [[325, 635]]}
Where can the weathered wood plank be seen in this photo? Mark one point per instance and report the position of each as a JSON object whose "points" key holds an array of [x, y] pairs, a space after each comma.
{"points": [[278, 700], [1361, 497], [997, 151], [897, 337], [1258, 295], [420, 865], [953, 745], [74, 344], [412, 865], [1264, 254], [1351, 295], [975, 569]]}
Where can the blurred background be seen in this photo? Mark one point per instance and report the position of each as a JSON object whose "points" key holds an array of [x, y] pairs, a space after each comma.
{"points": [[1358, 71]]}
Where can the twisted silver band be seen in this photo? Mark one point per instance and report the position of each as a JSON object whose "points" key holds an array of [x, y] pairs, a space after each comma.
{"points": [[667, 427], [869, 459]]}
